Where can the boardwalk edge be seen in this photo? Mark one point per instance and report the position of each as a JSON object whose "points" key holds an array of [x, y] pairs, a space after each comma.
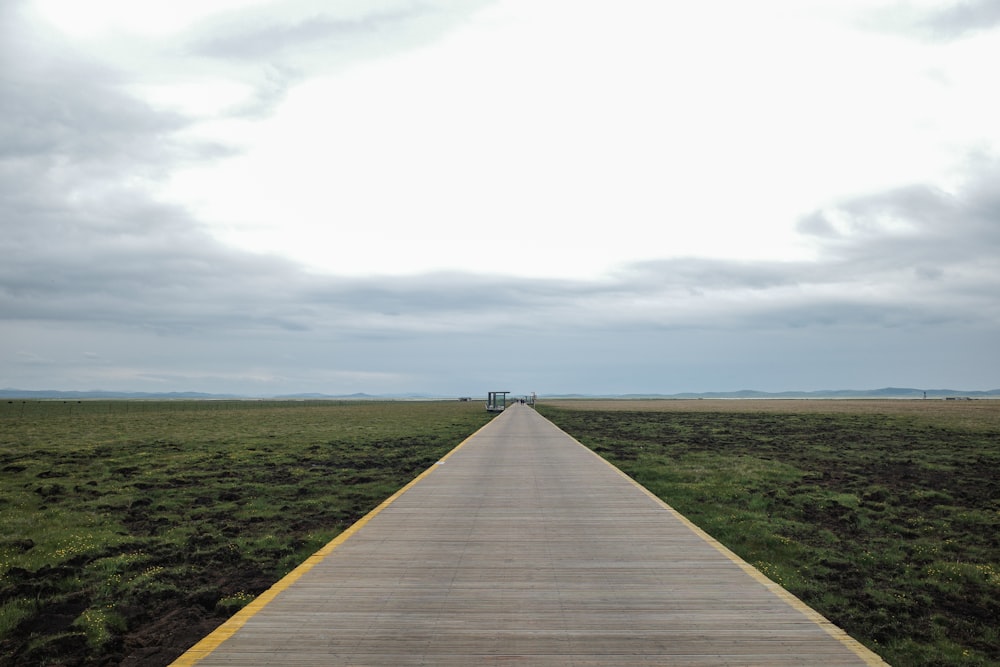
{"points": [[214, 639], [863, 652]]}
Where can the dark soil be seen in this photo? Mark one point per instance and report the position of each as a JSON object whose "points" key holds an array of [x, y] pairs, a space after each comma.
{"points": [[159, 626]]}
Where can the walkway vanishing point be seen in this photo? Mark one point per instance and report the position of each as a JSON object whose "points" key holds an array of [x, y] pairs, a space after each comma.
{"points": [[522, 546]]}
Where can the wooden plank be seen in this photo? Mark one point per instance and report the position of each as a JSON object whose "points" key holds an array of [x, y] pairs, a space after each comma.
{"points": [[524, 547]]}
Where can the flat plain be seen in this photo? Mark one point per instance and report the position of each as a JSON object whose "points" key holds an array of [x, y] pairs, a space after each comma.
{"points": [[130, 529], [883, 515], [976, 414]]}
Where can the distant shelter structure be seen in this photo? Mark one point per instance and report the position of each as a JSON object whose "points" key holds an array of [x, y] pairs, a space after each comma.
{"points": [[496, 401]]}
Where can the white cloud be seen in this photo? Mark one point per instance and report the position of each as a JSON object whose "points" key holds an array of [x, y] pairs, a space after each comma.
{"points": [[650, 131]]}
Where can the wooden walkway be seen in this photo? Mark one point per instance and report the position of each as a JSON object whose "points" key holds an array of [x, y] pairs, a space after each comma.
{"points": [[523, 547]]}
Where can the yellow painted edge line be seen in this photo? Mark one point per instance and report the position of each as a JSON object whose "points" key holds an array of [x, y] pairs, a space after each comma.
{"points": [[213, 640], [866, 654]]}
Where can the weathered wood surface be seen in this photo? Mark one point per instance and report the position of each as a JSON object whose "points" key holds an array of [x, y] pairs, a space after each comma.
{"points": [[523, 547]]}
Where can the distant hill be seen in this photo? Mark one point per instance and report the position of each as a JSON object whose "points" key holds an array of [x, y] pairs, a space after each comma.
{"points": [[322, 396], [100, 394], [886, 392], [190, 395]]}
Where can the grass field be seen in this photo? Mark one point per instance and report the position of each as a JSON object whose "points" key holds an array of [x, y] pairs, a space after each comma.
{"points": [[882, 515], [130, 529]]}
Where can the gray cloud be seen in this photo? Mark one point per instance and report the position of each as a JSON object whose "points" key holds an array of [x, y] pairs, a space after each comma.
{"points": [[81, 236], [919, 230], [276, 46], [262, 37], [65, 111], [962, 18], [957, 20], [696, 275]]}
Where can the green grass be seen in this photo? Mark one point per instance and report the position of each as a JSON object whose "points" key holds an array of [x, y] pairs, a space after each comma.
{"points": [[132, 527], [889, 525]]}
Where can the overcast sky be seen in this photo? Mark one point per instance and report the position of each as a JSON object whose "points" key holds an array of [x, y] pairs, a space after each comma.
{"points": [[458, 196]]}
